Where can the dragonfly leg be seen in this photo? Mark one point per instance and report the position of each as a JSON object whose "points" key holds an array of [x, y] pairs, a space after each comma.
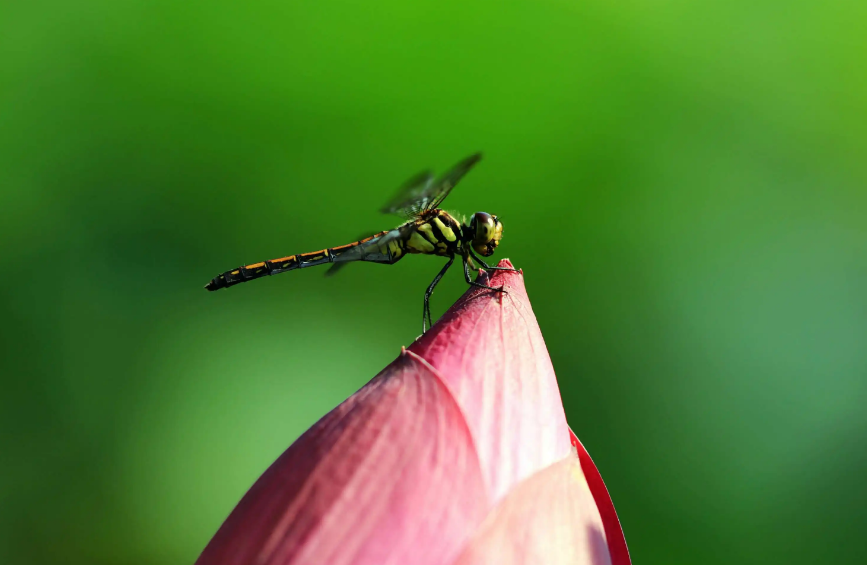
{"points": [[490, 267], [470, 280], [426, 317]]}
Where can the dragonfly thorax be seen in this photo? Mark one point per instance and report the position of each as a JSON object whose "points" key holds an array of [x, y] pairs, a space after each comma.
{"points": [[486, 231]]}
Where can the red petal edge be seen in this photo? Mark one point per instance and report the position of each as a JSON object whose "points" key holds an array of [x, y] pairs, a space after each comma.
{"points": [[613, 532]]}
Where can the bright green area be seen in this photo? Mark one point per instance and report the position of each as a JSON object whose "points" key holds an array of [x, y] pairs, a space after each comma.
{"points": [[684, 184]]}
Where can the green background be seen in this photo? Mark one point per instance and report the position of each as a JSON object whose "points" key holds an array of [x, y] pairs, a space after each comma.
{"points": [[682, 182]]}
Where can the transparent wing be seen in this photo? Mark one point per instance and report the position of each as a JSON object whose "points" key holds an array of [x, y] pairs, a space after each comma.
{"points": [[411, 196], [338, 265], [422, 193], [447, 182]]}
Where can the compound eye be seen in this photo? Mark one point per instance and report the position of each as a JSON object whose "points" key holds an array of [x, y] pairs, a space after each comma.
{"points": [[484, 225]]}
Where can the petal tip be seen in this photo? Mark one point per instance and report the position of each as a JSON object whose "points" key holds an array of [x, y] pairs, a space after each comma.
{"points": [[515, 277]]}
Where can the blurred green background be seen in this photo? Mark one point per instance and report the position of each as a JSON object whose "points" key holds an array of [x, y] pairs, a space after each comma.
{"points": [[682, 182]]}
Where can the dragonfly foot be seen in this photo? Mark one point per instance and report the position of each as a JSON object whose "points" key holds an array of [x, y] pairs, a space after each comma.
{"points": [[494, 288], [488, 268]]}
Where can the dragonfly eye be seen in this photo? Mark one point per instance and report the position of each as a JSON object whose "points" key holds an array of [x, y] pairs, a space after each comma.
{"points": [[487, 231]]}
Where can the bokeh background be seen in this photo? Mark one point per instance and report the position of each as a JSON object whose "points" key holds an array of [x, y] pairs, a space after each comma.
{"points": [[682, 182]]}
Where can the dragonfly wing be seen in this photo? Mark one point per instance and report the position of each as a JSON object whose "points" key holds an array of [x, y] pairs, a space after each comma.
{"points": [[444, 185], [422, 192], [368, 248], [335, 268], [410, 195]]}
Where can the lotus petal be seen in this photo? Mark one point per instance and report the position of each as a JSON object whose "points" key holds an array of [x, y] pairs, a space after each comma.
{"points": [[490, 352], [550, 518], [388, 477]]}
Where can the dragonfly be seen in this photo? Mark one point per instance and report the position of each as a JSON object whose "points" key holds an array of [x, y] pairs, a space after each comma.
{"points": [[427, 230]]}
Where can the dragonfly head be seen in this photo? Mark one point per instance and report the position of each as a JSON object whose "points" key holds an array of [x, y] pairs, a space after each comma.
{"points": [[486, 231]]}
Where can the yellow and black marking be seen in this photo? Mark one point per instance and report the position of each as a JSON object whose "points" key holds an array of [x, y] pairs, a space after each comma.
{"points": [[435, 233], [292, 262]]}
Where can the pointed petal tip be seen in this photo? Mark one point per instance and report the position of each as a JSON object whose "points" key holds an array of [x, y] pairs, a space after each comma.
{"points": [[512, 281], [492, 356]]}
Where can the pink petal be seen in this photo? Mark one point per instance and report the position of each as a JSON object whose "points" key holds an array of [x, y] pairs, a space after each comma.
{"points": [[550, 518], [613, 532], [389, 476], [490, 352]]}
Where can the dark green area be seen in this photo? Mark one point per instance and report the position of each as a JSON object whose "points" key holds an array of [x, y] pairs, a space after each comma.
{"points": [[684, 184]]}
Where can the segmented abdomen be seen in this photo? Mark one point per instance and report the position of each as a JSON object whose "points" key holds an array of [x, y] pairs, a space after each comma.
{"points": [[368, 249]]}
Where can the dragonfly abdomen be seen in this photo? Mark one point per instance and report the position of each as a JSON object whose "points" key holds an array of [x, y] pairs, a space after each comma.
{"points": [[265, 268], [368, 249]]}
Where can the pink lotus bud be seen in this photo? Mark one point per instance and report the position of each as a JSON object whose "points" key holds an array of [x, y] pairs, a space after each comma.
{"points": [[457, 453]]}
